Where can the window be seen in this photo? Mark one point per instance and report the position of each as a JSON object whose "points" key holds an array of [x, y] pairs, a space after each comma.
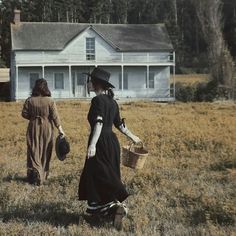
{"points": [[146, 80], [33, 78], [125, 81], [81, 79], [120, 82], [151, 79], [59, 81], [90, 49]]}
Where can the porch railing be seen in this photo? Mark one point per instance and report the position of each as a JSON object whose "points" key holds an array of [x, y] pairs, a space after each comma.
{"points": [[115, 58]]}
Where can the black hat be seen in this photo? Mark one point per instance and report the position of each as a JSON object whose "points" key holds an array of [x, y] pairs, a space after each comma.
{"points": [[62, 147], [101, 75]]}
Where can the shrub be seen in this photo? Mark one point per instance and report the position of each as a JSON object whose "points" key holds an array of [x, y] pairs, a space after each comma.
{"points": [[206, 92], [202, 92], [184, 93]]}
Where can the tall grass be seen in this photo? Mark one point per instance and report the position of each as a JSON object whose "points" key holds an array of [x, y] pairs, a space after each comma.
{"points": [[190, 79], [187, 186]]}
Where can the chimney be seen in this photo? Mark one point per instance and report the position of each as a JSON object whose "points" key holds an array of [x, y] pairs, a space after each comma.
{"points": [[17, 16]]}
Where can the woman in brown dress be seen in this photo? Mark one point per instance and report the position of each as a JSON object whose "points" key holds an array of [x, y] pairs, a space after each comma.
{"points": [[41, 111]]}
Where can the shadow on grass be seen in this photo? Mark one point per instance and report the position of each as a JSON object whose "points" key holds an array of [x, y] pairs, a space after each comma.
{"points": [[15, 177], [223, 165], [201, 213], [98, 221], [52, 213], [215, 214], [63, 180]]}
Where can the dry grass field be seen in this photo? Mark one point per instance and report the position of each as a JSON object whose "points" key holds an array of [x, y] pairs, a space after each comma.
{"points": [[190, 79], [187, 186]]}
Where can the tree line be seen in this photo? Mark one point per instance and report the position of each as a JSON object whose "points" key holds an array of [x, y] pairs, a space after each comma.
{"points": [[200, 30]]}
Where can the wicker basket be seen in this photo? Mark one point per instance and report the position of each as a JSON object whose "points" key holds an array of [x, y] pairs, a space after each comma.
{"points": [[134, 156]]}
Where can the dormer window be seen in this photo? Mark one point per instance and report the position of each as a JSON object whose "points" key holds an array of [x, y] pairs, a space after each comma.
{"points": [[90, 49]]}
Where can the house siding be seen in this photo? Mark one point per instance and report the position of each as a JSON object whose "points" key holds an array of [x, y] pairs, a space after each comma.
{"points": [[137, 81], [24, 89], [77, 48], [49, 76]]}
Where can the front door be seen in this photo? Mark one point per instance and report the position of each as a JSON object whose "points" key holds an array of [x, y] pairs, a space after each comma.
{"points": [[80, 85]]}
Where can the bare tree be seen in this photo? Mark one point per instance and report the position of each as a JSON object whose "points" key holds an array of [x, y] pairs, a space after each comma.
{"points": [[209, 14], [175, 11]]}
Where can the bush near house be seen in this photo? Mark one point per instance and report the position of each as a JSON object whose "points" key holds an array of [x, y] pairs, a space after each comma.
{"points": [[198, 88], [198, 92], [187, 186]]}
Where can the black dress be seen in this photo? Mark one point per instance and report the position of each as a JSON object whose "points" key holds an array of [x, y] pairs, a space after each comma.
{"points": [[100, 180]]}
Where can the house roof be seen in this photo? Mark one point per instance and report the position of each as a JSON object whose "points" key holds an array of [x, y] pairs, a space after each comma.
{"points": [[4, 75], [122, 37]]}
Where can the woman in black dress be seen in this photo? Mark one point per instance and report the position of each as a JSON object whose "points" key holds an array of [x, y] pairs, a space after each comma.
{"points": [[100, 182]]}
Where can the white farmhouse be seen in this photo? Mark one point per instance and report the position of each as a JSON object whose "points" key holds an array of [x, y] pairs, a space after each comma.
{"points": [[139, 57]]}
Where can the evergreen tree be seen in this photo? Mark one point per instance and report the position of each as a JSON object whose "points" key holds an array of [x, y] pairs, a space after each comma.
{"points": [[178, 15]]}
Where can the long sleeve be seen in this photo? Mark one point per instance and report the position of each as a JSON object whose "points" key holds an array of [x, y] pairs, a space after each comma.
{"points": [[54, 115], [25, 111]]}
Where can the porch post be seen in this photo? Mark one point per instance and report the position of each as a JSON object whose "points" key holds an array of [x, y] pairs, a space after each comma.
{"points": [[122, 78], [70, 85], [43, 73], [147, 85], [16, 85]]}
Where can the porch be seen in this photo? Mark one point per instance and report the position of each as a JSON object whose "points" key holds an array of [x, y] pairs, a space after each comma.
{"points": [[144, 81]]}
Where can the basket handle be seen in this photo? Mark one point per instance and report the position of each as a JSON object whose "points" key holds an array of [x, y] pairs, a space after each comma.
{"points": [[132, 144]]}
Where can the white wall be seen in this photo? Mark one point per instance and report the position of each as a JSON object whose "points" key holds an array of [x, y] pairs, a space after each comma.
{"points": [[49, 76], [103, 51], [136, 80], [24, 89], [162, 80]]}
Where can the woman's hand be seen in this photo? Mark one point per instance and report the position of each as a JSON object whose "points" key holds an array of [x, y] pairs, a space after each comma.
{"points": [[91, 151], [136, 139], [61, 131]]}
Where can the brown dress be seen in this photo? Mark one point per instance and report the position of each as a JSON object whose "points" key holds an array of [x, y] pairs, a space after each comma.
{"points": [[42, 114]]}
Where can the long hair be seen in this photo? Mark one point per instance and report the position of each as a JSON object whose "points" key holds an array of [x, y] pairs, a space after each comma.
{"points": [[100, 84], [41, 89]]}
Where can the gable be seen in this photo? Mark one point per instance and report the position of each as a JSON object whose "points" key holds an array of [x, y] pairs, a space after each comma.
{"points": [[78, 44]]}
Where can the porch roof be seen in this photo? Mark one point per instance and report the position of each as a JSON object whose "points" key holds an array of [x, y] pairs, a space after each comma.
{"points": [[122, 37]]}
